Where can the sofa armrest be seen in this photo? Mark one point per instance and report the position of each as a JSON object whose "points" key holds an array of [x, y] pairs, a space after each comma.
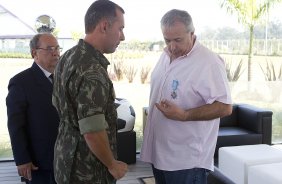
{"points": [[216, 177], [256, 119]]}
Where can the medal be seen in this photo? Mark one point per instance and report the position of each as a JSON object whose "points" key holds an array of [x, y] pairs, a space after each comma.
{"points": [[173, 95], [174, 86]]}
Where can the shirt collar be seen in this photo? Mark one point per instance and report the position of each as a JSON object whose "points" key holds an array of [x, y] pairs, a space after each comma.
{"points": [[46, 73], [96, 53]]}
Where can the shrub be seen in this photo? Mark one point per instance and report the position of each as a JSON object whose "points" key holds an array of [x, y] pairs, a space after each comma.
{"points": [[144, 74], [130, 73], [233, 75], [269, 72], [118, 69]]}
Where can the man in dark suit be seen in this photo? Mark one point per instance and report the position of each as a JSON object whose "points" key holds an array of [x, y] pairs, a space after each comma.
{"points": [[32, 119]]}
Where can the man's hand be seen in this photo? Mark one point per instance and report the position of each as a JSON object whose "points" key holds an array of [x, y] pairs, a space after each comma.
{"points": [[25, 170], [99, 145], [118, 169], [171, 111], [202, 113]]}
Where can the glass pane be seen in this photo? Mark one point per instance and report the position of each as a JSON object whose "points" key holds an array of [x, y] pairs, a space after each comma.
{"points": [[8, 68]]}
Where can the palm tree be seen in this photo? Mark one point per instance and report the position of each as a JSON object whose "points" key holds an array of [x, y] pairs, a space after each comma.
{"points": [[249, 13]]}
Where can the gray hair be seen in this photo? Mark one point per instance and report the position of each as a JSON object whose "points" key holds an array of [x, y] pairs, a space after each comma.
{"points": [[34, 42], [175, 15]]}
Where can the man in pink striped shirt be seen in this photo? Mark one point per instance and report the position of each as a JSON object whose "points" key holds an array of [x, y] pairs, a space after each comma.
{"points": [[189, 93]]}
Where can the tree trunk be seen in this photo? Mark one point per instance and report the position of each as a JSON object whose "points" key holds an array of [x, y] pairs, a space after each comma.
{"points": [[250, 54]]}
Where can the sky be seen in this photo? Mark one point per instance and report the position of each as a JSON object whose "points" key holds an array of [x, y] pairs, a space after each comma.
{"points": [[142, 17]]}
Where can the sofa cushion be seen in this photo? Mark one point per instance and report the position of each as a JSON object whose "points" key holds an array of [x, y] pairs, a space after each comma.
{"points": [[235, 136]]}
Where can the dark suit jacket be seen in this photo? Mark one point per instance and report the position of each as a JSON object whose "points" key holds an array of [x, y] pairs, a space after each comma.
{"points": [[32, 119]]}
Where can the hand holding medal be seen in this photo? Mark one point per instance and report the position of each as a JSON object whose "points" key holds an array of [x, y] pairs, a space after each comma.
{"points": [[171, 110]]}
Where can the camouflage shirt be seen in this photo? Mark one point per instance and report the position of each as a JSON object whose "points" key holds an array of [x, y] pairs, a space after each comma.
{"points": [[84, 97]]}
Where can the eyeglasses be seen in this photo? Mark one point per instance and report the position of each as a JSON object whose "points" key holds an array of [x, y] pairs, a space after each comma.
{"points": [[51, 49]]}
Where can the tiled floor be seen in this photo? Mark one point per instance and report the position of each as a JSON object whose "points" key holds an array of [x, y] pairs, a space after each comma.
{"points": [[9, 175]]}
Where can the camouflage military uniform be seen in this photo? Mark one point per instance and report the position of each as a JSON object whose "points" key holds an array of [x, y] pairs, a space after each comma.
{"points": [[84, 97]]}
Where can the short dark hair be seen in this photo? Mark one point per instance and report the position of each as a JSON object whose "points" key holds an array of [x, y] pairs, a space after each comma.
{"points": [[98, 10]]}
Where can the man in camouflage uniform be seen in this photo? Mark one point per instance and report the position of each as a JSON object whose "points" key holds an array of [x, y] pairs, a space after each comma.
{"points": [[83, 94]]}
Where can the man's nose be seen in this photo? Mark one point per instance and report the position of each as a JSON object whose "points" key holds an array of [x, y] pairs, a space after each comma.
{"points": [[122, 37], [172, 46], [56, 52]]}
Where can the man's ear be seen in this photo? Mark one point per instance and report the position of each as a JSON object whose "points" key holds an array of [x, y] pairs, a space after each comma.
{"points": [[104, 26], [33, 53]]}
